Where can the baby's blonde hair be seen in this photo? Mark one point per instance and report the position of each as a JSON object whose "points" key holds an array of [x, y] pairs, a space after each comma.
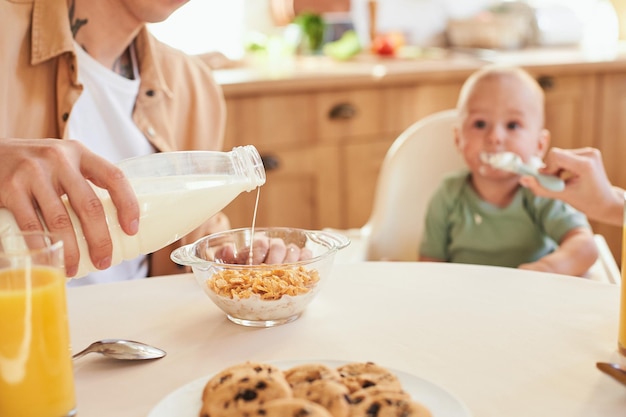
{"points": [[495, 71]]}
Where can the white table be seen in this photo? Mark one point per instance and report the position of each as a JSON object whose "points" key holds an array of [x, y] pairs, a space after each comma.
{"points": [[506, 342]]}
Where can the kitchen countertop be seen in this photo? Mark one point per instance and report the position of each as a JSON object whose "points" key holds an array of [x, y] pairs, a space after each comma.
{"points": [[305, 73]]}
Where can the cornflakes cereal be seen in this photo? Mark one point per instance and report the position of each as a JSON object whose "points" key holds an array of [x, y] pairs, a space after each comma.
{"points": [[268, 284]]}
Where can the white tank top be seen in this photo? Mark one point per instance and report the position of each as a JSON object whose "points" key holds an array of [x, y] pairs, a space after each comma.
{"points": [[102, 120]]}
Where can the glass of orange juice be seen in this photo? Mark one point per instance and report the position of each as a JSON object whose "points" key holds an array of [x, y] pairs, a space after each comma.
{"points": [[36, 375]]}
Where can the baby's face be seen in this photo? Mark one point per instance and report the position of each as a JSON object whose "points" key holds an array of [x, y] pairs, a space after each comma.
{"points": [[502, 113]]}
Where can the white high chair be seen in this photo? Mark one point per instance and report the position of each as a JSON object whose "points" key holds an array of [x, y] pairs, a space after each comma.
{"points": [[414, 166]]}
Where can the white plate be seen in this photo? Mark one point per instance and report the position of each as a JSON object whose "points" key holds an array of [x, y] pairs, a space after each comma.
{"points": [[186, 400]]}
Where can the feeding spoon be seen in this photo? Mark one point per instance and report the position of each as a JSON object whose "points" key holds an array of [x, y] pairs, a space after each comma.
{"points": [[509, 161]]}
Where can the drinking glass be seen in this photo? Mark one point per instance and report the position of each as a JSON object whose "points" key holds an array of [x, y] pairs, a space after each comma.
{"points": [[36, 375]]}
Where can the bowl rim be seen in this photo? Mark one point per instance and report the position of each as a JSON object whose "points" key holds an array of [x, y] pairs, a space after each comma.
{"points": [[185, 255]]}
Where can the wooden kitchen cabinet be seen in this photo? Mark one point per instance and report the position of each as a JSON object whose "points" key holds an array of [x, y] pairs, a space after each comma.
{"points": [[434, 97], [324, 149], [362, 159], [570, 101], [301, 191], [611, 140], [303, 139], [301, 188], [378, 117]]}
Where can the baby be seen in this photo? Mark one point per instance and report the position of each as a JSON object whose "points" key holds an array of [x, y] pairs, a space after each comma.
{"points": [[482, 215]]}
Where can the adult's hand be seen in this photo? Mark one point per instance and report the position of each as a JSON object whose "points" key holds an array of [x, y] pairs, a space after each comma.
{"points": [[35, 173], [587, 187]]}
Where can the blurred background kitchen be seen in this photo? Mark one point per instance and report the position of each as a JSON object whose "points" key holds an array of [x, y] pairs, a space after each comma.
{"points": [[229, 27], [323, 87]]}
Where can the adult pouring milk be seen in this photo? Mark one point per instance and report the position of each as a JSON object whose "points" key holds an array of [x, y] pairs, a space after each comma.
{"points": [[90, 73], [176, 191]]}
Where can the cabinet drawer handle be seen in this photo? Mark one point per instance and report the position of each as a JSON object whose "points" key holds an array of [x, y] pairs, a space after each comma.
{"points": [[270, 162], [342, 111], [546, 82]]}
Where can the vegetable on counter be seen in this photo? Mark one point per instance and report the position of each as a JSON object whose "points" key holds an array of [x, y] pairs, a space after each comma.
{"points": [[387, 44], [345, 47], [313, 27]]}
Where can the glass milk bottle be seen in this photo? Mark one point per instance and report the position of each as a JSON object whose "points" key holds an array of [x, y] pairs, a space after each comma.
{"points": [[177, 192]]}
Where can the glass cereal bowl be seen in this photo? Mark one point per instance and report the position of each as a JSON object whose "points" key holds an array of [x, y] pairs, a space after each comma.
{"points": [[252, 292]]}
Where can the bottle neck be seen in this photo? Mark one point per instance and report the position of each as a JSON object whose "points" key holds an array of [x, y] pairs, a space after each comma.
{"points": [[248, 163]]}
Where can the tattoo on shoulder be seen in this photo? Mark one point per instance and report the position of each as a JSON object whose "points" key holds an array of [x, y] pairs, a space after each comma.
{"points": [[75, 23]]}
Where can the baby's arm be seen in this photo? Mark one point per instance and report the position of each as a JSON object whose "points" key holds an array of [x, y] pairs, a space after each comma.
{"points": [[576, 253]]}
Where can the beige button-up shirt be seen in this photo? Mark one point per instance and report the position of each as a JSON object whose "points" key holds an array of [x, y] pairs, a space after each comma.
{"points": [[179, 105]]}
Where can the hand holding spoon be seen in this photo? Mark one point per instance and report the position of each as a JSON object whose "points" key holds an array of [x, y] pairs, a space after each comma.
{"points": [[511, 162], [122, 349]]}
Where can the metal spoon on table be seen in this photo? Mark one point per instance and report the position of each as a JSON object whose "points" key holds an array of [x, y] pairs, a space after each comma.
{"points": [[614, 370], [122, 349]]}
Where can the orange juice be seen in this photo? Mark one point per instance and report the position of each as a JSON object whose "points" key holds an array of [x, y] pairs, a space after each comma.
{"points": [[36, 375]]}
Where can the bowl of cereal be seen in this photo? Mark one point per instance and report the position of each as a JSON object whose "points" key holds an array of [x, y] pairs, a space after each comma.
{"points": [[263, 278]]}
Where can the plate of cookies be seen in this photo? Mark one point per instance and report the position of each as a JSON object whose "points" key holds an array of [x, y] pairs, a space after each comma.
{"points": [[312, 389]]}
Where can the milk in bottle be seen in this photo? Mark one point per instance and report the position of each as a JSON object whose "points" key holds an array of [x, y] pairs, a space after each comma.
{"points": [[177, 192]]}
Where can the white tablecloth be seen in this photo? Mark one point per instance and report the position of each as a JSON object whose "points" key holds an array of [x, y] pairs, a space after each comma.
{"points": [[506, 342]]}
